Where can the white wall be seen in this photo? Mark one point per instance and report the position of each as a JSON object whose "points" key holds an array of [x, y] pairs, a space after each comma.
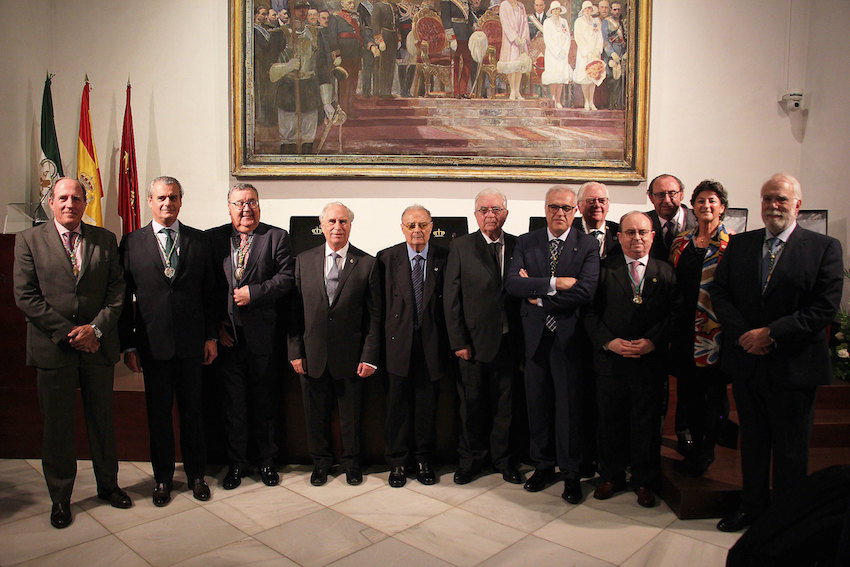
{"points": [[717, 71]]}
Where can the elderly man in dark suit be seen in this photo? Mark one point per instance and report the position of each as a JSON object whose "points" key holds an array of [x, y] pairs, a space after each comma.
{"points": [[68, 284], [670, 216], [171, 332], [775, 292], [555, 270], [417, 345], [484, 333], [593, 204], [254, 269], [334, 339], [629, 325]]}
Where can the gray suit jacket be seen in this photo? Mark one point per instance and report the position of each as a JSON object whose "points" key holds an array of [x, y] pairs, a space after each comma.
{"points": [[336, 337], [54, 302]]}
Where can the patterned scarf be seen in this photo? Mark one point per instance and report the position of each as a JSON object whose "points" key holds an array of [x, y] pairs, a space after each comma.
{"points": [[707, 332]]}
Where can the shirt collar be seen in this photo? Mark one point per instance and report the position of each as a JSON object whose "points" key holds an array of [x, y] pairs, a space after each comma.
{"points": [[157, 227], [589, 230], [343, 252], [411, 253], [551, 236], [500, 240], [644, 260], [679, 218], [783, 236], [62, 230]]}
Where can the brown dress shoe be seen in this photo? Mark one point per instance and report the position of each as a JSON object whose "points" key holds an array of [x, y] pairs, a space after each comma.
{"points": [[607, 489], [645, 496]]}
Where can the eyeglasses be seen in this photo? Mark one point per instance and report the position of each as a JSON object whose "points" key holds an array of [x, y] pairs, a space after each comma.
{"points": [[632, 232], [660, 196], [485, 210], [413, 225], [252, 204], [553, 208], [600, 200]]}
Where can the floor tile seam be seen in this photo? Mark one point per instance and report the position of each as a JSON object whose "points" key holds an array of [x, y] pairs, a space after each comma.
{"points": [[246, 534], [45, 554], [679, 533], [633, 519], [638, 550], [508, 525]]}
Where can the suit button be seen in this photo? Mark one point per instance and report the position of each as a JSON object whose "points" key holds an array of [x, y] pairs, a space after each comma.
{"points": [[396, 315], [330, 318], [392, 338]]}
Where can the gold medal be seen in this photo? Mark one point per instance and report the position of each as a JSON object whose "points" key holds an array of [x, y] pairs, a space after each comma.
{"points": [[637, 299], [169, 272], [240, 271]]}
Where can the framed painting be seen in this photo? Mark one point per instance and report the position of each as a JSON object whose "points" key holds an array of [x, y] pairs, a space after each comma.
{"points": [[434, 89]]}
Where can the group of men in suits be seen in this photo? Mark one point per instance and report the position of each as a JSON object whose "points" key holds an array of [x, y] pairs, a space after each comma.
{"points": [[586, 302]]}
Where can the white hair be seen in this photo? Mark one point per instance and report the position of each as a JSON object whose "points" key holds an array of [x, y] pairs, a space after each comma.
{"points": [[329, 205]]}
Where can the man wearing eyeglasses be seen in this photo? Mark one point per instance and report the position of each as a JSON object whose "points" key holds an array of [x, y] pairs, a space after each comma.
{"points": [[484, 333], [775, 291], [254, 271], [593, 203], [629, 325], [554, 269], [670, 216], [417, 346]]}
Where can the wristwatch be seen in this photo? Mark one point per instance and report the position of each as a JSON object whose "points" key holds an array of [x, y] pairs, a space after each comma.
{"points": [[97, 332]]}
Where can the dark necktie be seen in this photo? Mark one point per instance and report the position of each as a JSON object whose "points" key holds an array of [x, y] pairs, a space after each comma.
{"points": [[555, 247], [669, 233], [170, 252], [768, 262], [70, 242], [600, 238], [496, 251], [417, 277], [332, 279]]}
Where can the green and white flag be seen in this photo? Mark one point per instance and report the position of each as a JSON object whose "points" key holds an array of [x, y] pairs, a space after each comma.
{"points": [[50, 162]]}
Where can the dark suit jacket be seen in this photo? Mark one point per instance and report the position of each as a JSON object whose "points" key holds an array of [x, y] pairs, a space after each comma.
{"points": [[171, 317], [473, 295], [579, 259], [400, 307], [659, 250], [801, 299], [336, 337], [612, 243], [54, 302], [269, 275], [614, 315]]}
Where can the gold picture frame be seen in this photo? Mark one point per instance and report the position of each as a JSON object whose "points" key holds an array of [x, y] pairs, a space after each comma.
{"points": [[352, 153]]}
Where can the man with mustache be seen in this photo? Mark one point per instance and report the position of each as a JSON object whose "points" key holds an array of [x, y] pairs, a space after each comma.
{"points": [[775, 292]]}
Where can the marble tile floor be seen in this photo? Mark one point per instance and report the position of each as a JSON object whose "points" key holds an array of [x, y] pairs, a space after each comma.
{"points": [[488, 523]]}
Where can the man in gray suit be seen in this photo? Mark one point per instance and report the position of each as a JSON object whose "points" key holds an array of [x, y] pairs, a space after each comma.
{"points": [[334, 339], [68, 283], [670, 216]]}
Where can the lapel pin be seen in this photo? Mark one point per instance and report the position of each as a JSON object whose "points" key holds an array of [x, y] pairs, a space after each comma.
{"points": [[654, 280], [351, 260]]}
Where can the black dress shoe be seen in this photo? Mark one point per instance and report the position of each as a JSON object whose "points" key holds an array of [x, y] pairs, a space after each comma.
{"points": [[162, 494], [684, 442], [736, 522], [319, 476], [233, 478], [269, 476], [426, 474], [200, 490], [117, 498], [572, 491], [465, 475], [511, 474], [645, 496], [60, 515], [540, 479], [397, 477], [353, 475]]}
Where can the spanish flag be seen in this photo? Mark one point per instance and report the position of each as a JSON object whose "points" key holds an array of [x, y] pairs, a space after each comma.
{"points": [[88, 170]]}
